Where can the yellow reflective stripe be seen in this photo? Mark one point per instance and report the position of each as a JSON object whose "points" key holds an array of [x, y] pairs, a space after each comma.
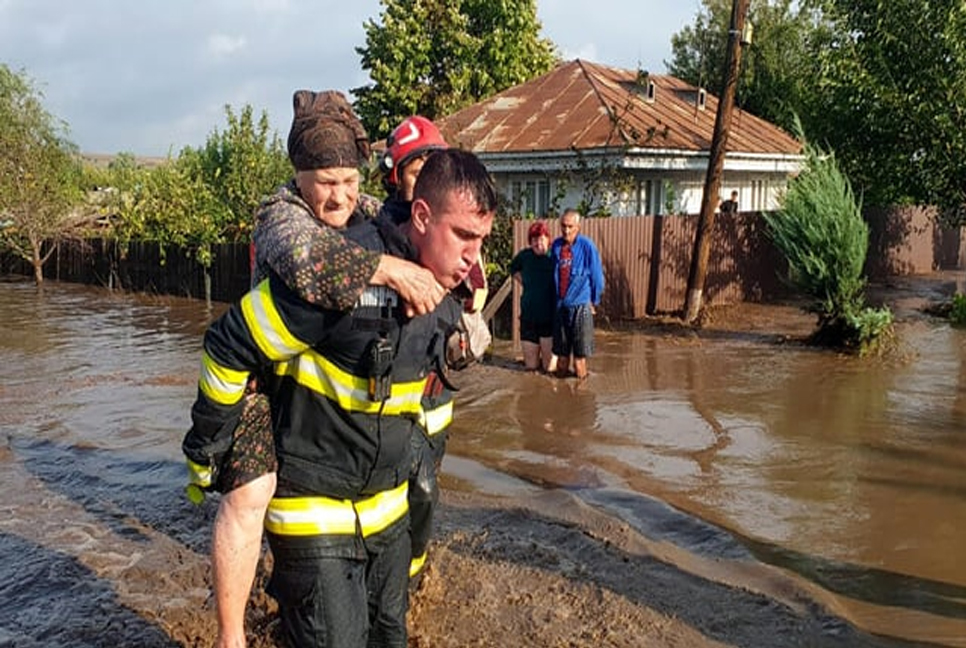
{"points": [[219, 383], [416, 564], [436, 420], [312, 370], [304, 516], [266, 326], [198, 474], [379, 511]]}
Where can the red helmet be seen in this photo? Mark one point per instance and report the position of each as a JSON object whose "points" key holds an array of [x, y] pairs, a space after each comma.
{"points": [[414, 136]]}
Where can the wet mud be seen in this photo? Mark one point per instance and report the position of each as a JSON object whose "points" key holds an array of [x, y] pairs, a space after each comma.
{"points": [[725, 487]]}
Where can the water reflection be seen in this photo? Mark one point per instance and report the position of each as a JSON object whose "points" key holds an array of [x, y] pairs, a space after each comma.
{"points": [[845, 465], [50, 598], [849, 474]]}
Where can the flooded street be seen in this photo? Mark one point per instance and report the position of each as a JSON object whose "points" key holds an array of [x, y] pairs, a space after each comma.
{"points": [[733, 445]]}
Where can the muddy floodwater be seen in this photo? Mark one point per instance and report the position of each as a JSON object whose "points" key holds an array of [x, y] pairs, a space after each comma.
{"points": [[738, 444]]}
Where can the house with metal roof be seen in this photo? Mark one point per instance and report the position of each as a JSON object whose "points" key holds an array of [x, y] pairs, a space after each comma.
{"points": [[618, 142]]}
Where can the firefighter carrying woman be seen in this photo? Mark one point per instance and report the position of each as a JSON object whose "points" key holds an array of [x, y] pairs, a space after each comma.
{"points": [[309, 264]]}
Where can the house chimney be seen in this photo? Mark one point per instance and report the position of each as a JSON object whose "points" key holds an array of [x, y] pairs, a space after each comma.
{"points": [[702, 98], [651, 92]]}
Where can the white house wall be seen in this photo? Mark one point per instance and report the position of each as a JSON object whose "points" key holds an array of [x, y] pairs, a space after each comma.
{"points": [[756, 191]]}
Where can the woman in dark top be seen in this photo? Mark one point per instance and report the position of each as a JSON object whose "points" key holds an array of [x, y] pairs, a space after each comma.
{"points": [[533, 269]]}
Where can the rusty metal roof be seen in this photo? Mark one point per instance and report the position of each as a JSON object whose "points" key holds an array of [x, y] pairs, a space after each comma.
{"points": [[583, 105]]}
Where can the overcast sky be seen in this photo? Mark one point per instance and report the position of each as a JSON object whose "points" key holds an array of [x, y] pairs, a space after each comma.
{"points": [[153, 76]]}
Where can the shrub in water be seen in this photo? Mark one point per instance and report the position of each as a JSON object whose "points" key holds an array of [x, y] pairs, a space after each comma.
{"points": [[820, 230]]}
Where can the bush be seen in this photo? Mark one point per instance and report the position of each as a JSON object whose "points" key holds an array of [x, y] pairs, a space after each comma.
{"points": [[204, 196], [862, 332], [820, 231], [957, 311]]}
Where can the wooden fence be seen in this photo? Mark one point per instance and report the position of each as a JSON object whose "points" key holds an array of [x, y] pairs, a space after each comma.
{"points": [[144, 267], [646, 260]]}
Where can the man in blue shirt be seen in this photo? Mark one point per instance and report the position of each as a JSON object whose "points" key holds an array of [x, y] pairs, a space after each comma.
{"points": [[579, 281]]}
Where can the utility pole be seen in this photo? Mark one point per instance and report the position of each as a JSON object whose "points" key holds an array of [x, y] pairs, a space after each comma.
{"points": [[712, 182]]}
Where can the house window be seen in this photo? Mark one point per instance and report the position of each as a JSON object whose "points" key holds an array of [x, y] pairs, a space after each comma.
{"points": [[543, 197], [759, 195], [531, 197]]}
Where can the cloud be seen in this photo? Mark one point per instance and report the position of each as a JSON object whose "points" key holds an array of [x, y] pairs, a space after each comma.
{"points": [[222, 45], [586, 52], [272, 6], [148, 76]]}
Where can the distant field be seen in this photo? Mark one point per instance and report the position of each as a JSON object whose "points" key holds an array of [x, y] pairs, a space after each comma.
{"points": [[104, 159]]}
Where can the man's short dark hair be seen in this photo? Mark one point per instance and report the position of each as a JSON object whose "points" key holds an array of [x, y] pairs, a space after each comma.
{"points": [[453, 169]]}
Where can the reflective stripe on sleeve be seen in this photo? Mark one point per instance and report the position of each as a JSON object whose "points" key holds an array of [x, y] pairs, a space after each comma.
{"points": [[436, 420], [198, 474], [305, 516], [310, 369], [222, 385], [266, 326]]}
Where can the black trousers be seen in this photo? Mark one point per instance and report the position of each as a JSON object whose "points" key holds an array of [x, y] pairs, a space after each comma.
{"points": [[423, 488], [336, 602]]}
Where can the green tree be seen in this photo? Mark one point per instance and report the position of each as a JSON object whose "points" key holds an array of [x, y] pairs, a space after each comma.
{"points": [[882, 82], [498, 248], [40, 200], [777, 68], [698, 50], [892, 99], [820, 230], [204, 196], [241, 166], [433, 57], [173, 206], [507, 48], [117, 188]]}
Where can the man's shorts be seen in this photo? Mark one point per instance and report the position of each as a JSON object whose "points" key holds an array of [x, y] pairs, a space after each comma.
{"points": [[573, 331], [531, 331], [252, 452]]}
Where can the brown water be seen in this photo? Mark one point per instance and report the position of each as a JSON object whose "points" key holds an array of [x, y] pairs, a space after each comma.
{"points": [[850, 475]]}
